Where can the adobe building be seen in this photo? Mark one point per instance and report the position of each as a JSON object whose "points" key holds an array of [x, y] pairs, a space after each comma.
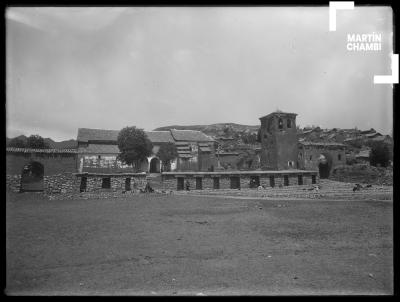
{"points": [[322, 157]]}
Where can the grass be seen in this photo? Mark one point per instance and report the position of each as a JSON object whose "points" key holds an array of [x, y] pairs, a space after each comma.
{"points": [[180, 245]]}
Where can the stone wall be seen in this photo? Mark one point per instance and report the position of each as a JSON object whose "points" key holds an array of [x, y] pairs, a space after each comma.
{"points": [[52, 184], [69, 183], [13, 182], [170, 180], [65, 183], [117, 181]]}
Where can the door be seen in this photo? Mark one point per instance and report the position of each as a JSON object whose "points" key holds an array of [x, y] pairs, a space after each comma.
{"points": [[180, 183], [199, 183], [32, 177]]}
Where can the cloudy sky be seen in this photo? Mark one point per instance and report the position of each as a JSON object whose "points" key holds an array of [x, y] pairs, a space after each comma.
{"points": [[112, 67]]}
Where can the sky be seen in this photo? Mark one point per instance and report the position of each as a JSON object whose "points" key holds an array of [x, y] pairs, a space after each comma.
{"points": [[112, 67]]}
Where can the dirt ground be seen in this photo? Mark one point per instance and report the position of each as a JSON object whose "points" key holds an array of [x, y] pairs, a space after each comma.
{"points": [[185, 245]]}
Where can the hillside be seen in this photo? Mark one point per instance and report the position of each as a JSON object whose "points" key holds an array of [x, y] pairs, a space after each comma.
{"points": [[215, 130], [67, 144]]}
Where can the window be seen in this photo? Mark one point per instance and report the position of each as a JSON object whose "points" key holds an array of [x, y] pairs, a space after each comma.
{"points": [[310, 157], [199, 183], [83, 184], [301, 155], [235, 182], [300, 179], [313, 179], [272, 181], [106, 183], [99, 157], [339, 157], [127, 184], [254, 181], [280, 123], [289, 123], [180, 183], [216, 182], [285, 180]]}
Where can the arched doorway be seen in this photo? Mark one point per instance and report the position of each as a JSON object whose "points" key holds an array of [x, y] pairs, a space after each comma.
{"points": [[32, 177], [155, 165], [325, 165]]}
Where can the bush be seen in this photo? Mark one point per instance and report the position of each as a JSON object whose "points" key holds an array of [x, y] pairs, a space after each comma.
{"points": [[380, 155], [36, 142]]}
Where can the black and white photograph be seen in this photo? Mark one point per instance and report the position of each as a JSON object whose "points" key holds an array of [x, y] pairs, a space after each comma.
{"points": [[199, 150]]}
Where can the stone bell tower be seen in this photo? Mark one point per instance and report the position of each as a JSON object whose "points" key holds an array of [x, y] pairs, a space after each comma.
{"points": [[279, 141]]}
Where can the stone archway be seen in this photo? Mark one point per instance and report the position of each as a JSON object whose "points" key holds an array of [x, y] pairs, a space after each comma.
{"points": [[324, 165], [32, 177], [155, 165]]}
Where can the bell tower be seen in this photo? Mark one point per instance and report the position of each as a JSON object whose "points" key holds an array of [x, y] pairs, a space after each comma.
{"points": [[279, 141]]}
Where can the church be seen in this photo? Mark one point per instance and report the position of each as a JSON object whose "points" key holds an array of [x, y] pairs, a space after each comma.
{"points": [[98, 151]]}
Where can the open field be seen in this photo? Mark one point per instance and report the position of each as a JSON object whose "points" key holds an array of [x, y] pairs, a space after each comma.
{"points": [[186, 245]]}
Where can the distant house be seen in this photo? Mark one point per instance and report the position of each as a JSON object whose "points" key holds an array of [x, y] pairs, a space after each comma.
{"points": [[363, 156], [370, 131], [372, 135], [98, 151], [384, 139]]}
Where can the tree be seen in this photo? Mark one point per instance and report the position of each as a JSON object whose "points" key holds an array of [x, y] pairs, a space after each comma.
{"points": [[380, 155], [166, 153], [17, 143], [134, 146], [36, 142], [259, 135], [247, 158]]}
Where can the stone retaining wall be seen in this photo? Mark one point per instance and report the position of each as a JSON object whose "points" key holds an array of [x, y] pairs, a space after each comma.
{"points": [[117, 181], [170, 179]]}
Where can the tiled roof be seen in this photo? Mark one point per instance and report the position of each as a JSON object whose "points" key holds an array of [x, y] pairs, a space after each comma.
{"points": [[373, 134], [98, 148], [203, 145], [321, 144], [86, 134], [382, 138], [190, 135], [160, 136], [31, 150], [278, 113], [227, 153], [363, 153]]}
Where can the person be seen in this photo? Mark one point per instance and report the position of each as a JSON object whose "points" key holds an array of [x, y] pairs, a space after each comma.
{"points": [[148, 188], [187, 185]]}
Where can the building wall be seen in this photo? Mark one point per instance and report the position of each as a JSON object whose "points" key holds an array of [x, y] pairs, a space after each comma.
{"points": [[102, 163], [53, 163], [314, 152]]}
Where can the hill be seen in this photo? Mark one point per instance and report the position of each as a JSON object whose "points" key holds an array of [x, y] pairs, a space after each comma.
{"points": [[67, 144], [215, 130]]}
